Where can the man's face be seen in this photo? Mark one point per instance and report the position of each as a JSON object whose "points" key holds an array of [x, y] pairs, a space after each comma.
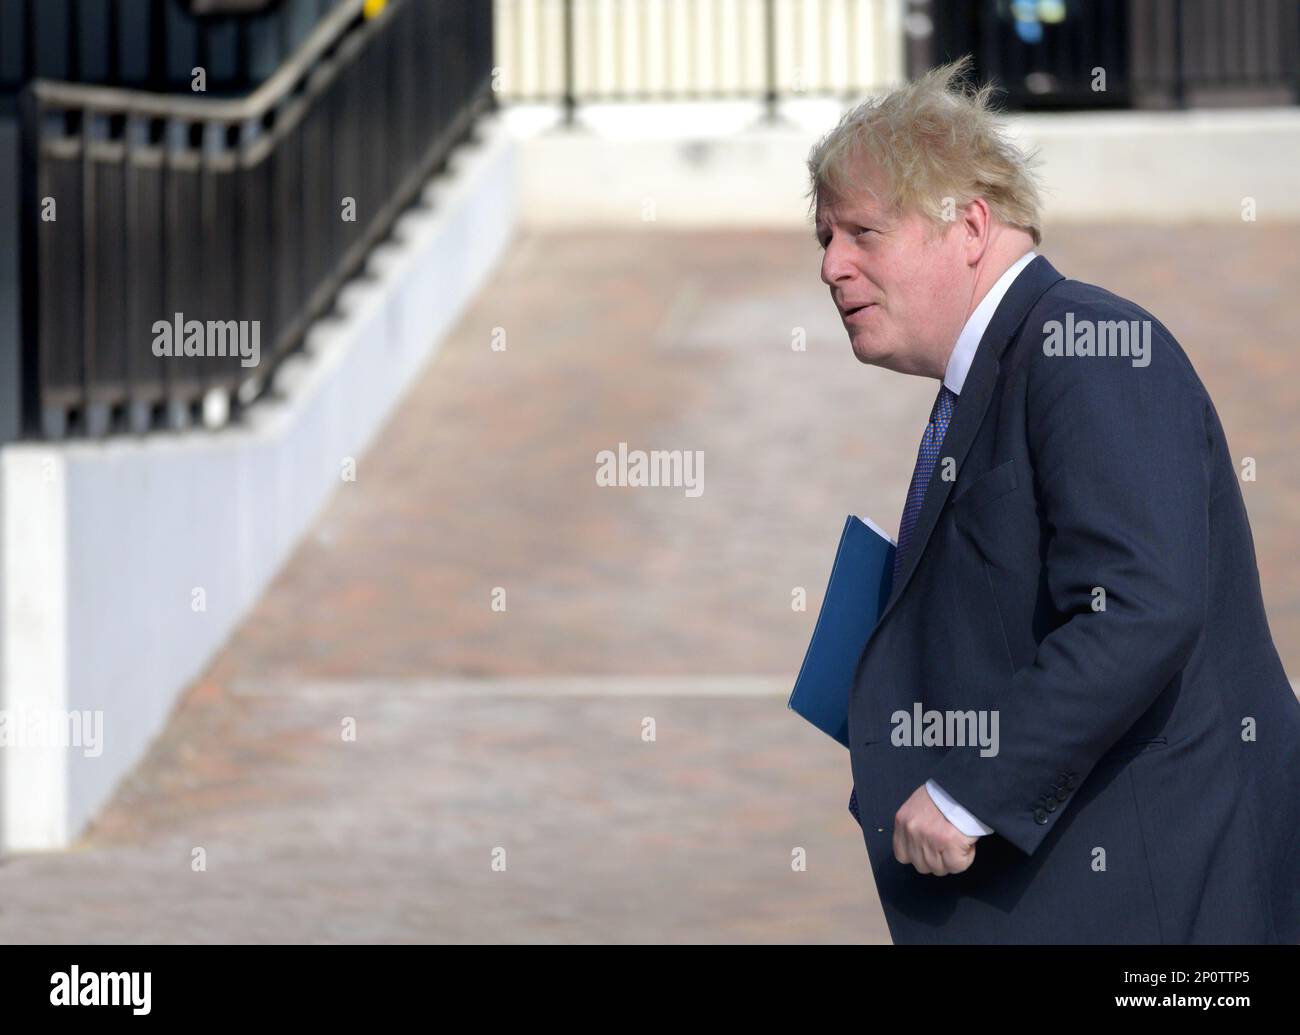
{"points": [[901, 287]]}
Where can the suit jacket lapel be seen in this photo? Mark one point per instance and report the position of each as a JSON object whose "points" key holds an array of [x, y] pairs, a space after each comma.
{"points": [[971, 406]]}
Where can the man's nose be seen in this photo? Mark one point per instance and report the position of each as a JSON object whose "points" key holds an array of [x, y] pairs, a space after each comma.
{"points": [[835, 265]]}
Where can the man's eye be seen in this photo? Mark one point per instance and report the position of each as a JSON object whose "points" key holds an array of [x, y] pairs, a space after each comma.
{"points": [[864, 230]]}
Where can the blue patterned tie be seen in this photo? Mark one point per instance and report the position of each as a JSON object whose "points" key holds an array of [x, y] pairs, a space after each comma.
{"points": [[926, 457]]}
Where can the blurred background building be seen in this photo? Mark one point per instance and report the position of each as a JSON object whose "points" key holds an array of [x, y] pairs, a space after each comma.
{"points": [[594, 214]]}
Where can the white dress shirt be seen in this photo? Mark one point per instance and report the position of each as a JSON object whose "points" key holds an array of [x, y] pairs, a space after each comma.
{"points": [[963, 354]]}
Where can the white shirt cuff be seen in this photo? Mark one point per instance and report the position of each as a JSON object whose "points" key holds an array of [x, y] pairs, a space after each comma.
{"points": [[957, 816]]}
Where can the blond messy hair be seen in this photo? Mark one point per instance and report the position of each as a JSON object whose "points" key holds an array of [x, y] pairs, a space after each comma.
{"points": [[933, 139]]}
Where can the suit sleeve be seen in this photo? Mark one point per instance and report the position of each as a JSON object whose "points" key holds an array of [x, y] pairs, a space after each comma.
{"points": [[1120, 455]]}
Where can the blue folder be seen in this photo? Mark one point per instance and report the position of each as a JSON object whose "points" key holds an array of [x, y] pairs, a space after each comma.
{"points": [[858, 591]]}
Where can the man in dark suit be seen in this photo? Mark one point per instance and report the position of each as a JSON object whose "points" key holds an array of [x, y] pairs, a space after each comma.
{"points": [[1075, 575]]}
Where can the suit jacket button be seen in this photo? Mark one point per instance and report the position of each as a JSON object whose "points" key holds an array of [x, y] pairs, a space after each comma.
{"points": [[1040, 817], [1052, 806], [1059, 782], [1071, 782], [1062, 793]]}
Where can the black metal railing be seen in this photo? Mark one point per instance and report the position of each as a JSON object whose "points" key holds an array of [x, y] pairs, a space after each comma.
{"points": [[152, 44], [1191, 53], [1118, 53], [231, 213], [578, 51]]}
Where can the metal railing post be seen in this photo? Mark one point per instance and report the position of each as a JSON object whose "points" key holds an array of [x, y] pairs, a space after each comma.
{"points": [[769, 47], [570, 97]]}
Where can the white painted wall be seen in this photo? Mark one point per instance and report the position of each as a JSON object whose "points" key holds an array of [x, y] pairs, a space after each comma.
{"points": [[720, 165], [105, 542]]}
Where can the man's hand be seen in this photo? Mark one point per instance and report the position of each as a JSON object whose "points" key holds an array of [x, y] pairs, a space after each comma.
{"points": [[924, 838]]}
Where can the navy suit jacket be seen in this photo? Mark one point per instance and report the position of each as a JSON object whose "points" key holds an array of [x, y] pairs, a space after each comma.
{"points": [[1145, 786]]}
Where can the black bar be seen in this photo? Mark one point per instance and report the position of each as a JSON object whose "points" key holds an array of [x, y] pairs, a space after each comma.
{"points": [[570, 95]]}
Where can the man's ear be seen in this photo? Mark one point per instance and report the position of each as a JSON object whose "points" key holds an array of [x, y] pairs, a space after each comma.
{"points": [[976, 223]]}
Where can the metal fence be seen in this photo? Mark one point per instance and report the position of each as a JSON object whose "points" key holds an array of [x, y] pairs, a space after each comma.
{"points": [[152, 44], [573, 51], [1189, 53], [1117, 53], [231, 213], [1041, 53]]}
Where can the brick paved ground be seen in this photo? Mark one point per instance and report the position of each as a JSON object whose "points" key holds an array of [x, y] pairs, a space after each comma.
{"points": [[473, 733]]}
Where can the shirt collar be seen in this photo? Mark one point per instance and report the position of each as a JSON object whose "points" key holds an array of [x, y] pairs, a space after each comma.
{"points": [[963, 353]]}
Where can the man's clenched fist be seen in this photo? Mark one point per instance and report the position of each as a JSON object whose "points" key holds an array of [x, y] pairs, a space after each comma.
{"points": [[924, 838]]}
